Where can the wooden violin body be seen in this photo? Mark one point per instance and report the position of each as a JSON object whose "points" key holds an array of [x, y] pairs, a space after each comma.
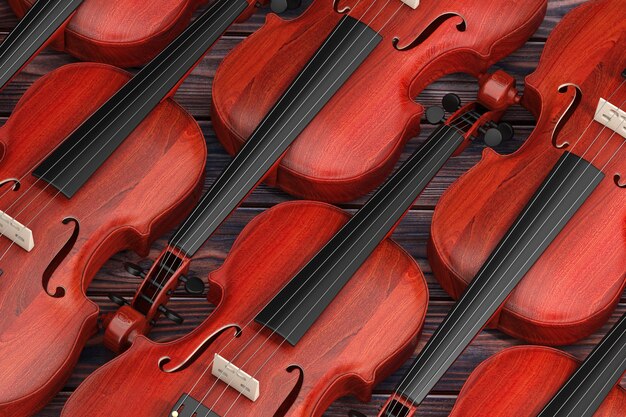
{"points": [[341, 354], [528, 377], [353, 143], [576, 283], [131, 200], [124, 33]]}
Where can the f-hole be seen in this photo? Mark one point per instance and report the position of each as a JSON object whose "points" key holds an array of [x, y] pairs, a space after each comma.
{"points": [[293, 395], [338, 10], [16, 183], [567, 114], [618, 181], [163, 362], [59, 292], [426, 33]]}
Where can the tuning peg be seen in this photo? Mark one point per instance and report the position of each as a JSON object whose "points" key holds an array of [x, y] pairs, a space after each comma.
{"points": [[435, 115], [193, 285], [120, 301], [134, 269], [497, 134], [175, 317], [451, 102], [354, 413], [279, 6]]}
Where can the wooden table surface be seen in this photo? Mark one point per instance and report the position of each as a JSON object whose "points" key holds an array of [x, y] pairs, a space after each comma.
{"points": [[195, 96]]}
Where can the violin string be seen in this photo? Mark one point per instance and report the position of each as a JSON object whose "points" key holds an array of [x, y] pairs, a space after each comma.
{"points": [[572, 187], [27, 224], [534, 199], [307, 114], [24, 29], [585, 378], [622, 364], [83, 138], [291, 296], [162, 276], [406, 200]]}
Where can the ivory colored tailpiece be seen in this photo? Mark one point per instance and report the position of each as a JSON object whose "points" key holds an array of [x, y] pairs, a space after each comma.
{"points": [[612, 117], [16, 231]]}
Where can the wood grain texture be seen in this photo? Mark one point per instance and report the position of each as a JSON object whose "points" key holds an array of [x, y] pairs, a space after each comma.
{"points": [[528, 377], [412, 234], [125, 205], [572, 289], [124, 33], [386, 298], [354, 141]]}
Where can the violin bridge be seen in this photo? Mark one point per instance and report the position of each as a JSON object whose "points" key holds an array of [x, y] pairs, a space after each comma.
{"points": [[236, 378], [612, 117], [16, 231], [413, 4]]}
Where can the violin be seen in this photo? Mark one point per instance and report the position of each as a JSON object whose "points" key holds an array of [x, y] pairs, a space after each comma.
{"points": [[562, 298], [124, 33], [302, 301], [565, 187], [537, 381], [113, 167], [348, 49], [351, 145]]}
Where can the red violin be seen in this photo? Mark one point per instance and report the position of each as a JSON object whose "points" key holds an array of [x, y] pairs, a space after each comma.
{"points": [[274, 373], [351, 144], [124, 33], [536, 381], [578, 94]]}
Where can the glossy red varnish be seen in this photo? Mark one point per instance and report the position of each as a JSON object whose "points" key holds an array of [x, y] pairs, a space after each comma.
{"points": [[365, 333], [573, 288], [355, 140], [124, 33], [520, 381], [134, 197]]}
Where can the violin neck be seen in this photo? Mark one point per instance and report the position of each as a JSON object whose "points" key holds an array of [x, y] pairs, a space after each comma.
{"points": [[584, 392], [340, 55], [294, 310], [89, 146], [33, 33], [567, 187]]}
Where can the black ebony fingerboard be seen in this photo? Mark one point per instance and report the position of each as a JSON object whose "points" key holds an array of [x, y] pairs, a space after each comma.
{"points": [[32, 33], [584, 392], [89, 146], [566, 188], [340, 55], [294, 310]]}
